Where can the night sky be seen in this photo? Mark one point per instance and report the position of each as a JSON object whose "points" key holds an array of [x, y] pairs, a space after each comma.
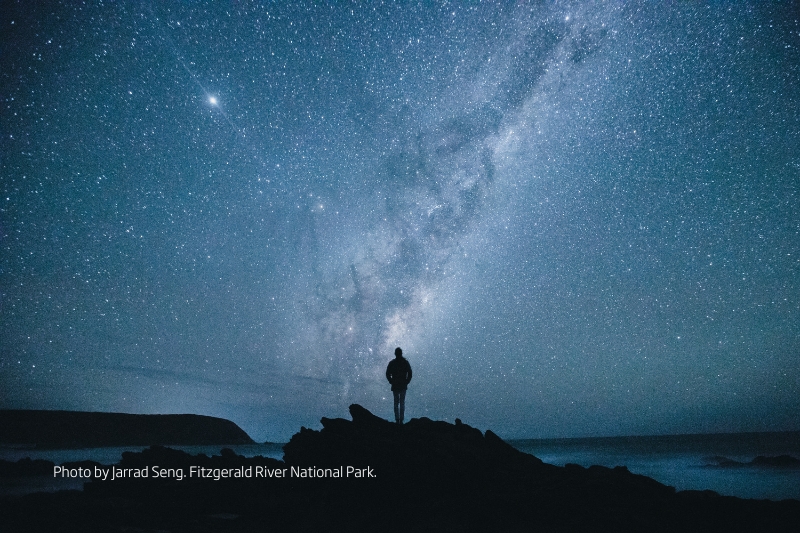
{"points": [[575, 219]]}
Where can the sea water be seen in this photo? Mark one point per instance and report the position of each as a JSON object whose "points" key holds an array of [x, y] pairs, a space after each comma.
{"points": [[686, 462]]}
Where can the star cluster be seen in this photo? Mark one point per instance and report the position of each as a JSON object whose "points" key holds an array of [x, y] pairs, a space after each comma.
{"points": [[576, 219]]}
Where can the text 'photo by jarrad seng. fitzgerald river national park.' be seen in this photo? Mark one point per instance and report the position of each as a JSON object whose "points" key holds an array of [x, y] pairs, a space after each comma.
{"points": [[577, 220]]}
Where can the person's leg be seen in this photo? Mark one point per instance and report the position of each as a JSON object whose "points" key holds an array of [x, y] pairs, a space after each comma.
{"points": [[396, 394], [402, 407]]}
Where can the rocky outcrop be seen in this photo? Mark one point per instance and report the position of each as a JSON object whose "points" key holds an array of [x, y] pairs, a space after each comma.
{"points": [[73, 429], [26, 468], [367, 474], [780, 461]]}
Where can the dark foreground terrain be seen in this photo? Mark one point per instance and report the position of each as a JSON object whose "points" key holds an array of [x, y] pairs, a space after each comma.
{"points": [[75, 429], [423, 476]]}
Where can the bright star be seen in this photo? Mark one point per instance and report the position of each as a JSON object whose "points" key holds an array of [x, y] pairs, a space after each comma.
{"points": [[212, 100]]}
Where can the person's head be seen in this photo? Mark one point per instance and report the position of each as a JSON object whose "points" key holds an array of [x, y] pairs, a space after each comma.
{"points": [[398, 352]]}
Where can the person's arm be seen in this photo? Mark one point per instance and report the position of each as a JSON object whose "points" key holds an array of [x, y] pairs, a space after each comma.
{"points": [[389, 372], [409, 373]]}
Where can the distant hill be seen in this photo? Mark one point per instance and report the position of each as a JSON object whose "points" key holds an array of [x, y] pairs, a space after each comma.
{"points": [[75, 429]]}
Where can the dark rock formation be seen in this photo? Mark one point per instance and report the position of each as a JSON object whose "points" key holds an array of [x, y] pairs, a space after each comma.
{"points": [[370, 475], [780, 461], [26, 468], [72, 429]]}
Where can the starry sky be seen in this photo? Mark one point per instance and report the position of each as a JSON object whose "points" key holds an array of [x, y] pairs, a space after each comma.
{"points": [[576, 219]]}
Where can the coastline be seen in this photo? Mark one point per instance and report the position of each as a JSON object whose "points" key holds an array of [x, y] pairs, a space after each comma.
{"points": [[449, 476]]}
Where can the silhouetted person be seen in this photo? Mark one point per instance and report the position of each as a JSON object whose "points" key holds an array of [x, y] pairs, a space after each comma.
{"points": [[399, 375]]}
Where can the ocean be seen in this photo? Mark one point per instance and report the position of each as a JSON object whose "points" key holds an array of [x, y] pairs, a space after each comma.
{"points": [[686, 462]]}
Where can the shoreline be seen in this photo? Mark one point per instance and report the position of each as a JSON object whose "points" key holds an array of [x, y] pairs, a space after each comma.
{"points": [[453, 476]]}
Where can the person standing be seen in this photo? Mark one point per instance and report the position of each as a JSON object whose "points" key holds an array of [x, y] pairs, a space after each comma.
{"points": [[399, 375]]}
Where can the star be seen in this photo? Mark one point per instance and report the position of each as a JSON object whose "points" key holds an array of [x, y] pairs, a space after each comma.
{"points": [[539, 225]]}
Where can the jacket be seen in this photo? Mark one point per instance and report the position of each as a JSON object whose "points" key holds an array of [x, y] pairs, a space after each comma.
{"points": [[399, 373]]}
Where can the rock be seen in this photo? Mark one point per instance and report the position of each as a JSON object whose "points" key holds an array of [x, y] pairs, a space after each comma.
{"points": [[781, 461], [425, 475], [26, 468], [86, 464], [723, 462]]}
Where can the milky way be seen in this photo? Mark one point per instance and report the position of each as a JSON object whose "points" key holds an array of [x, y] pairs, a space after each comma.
{"points": [[576, 219]]}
